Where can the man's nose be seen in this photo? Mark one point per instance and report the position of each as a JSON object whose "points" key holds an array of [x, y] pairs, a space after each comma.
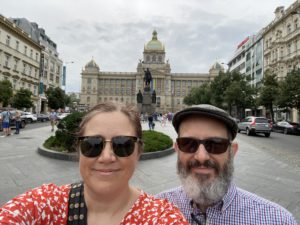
{"points": [[201, 154]]}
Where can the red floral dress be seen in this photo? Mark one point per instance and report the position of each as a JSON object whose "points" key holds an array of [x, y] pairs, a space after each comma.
{"points": [[48, 204]]}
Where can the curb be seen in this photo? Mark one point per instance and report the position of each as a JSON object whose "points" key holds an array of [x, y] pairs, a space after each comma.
{"points": [[57, 155], [74, 156]]}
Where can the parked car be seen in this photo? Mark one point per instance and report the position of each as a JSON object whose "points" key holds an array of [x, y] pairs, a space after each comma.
{"points": [[42, 117], [62, 115], [253, 125], [286, 127], [12, 122], [29, 117]]}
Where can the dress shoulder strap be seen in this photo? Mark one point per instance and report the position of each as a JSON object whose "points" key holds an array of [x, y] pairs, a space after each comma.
{"points": [[77, 211]]}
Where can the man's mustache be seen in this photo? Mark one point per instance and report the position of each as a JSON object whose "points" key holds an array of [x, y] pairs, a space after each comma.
{"points": [[208, 164]]}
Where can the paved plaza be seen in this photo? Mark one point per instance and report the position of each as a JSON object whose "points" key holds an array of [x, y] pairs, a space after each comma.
{"points": [[256, 170]]}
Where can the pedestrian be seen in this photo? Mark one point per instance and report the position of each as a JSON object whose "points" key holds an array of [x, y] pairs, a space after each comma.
{"points": [[6, 116], [163, 120], [206, 148], [53, 119], [109, 142], [18, 121], [150, 122]]}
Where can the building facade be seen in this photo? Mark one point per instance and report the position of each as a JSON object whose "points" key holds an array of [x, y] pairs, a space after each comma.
{"points": [[282, 47], [50, 63], [19, 58], [171, 88]]}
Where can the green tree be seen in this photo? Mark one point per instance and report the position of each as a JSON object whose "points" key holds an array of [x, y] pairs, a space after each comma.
{"points": [[56, 98], [6, 92], [268, 93], [289, 91], [199, 95], [239, 93], [218, 88], [22, 99]]}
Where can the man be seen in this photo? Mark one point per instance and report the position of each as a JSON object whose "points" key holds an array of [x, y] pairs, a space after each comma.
{"points": [[53, 118], [205, 151], [147, 77], [5, 115]]}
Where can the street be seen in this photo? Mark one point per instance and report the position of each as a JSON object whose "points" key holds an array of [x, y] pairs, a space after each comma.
{"points": [[269, 167]]}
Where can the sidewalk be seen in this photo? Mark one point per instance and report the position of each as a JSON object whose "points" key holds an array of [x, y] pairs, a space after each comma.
{"points": [[255, 170]]}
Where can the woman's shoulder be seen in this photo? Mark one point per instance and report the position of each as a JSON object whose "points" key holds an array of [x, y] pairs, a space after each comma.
{"points": [[48, 199], [150, 208]]}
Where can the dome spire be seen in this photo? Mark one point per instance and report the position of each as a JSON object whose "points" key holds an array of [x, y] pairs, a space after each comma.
{"points": [[154, 35]]}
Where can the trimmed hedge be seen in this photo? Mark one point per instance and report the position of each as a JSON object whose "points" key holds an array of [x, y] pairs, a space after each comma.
{"points": [[156, 141], [64, 139]]}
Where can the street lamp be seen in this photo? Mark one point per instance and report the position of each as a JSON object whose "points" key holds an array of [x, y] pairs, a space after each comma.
{"points": [[65, 74]]}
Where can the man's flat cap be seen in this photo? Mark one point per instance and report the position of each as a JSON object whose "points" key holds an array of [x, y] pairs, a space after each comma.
{"points": [[208, 111]]}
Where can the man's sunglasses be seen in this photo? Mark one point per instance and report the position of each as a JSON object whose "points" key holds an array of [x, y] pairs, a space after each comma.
{"points": [[212, 145], [92, 146]]}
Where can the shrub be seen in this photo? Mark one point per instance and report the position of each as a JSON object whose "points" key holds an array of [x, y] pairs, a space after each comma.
{"points": [[156, 141], [65, 138]]}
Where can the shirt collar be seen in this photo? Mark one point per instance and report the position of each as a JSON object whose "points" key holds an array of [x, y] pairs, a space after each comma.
{"points": [[224, 203]]}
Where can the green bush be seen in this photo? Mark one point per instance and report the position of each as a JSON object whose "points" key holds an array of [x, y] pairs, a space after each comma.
{"points": [[64, 139], [65, 136], [156, 141]]}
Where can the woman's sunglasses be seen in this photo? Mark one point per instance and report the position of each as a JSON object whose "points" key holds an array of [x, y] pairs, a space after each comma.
{"points": [[212, 145], [92, 146]]}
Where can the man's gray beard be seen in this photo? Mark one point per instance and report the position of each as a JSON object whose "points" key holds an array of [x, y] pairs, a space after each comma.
{"points": [[198, 188]]}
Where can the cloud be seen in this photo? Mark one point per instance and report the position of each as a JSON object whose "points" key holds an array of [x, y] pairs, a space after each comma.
{"points": [[195, 33]]}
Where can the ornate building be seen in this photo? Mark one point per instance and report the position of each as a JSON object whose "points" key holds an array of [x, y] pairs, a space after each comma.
{"points": [[282, 47], [29, 59], [19, 58], [171, 88]]}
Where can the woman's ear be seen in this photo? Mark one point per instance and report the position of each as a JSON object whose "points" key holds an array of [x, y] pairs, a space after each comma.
{"points": [[175, 146]]}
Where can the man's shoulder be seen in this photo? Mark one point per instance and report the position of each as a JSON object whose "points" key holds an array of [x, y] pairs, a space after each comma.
{"points": [[174, 195], [268, 209]]}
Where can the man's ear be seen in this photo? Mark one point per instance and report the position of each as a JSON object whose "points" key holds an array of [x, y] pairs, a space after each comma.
{"points": [[234, 147]]}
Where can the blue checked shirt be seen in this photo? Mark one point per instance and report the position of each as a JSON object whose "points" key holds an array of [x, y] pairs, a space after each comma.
{"points": [[237, 207]]}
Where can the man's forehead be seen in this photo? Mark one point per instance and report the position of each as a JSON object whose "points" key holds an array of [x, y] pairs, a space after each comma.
{"points": [[196, 120]]}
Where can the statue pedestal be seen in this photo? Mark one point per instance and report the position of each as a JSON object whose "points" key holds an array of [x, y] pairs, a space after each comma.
{"points": [[147, 106]]}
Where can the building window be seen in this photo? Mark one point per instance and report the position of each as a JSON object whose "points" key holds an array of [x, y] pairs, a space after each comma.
{"points": [[147, 58], [295, 24], [37, 56], [159, 58], [289, 29], [25, 50], [89, 80], [7, 40], [17, 45], [31, 53], [289, 49], [16, 64], [154, 58], [24, 68], [15, 84], [51, 77], [7, 57]]}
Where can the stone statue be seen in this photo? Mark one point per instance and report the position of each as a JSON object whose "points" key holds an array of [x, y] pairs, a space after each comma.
{"points": [[153, 96], [139, 97], [147, 77]]}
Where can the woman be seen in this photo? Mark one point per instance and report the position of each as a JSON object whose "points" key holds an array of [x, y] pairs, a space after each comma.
{"points": [[18, 121], [109, 142]]}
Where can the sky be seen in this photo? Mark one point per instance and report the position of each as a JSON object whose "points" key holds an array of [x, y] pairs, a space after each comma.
{"points": [[196, 33]]}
